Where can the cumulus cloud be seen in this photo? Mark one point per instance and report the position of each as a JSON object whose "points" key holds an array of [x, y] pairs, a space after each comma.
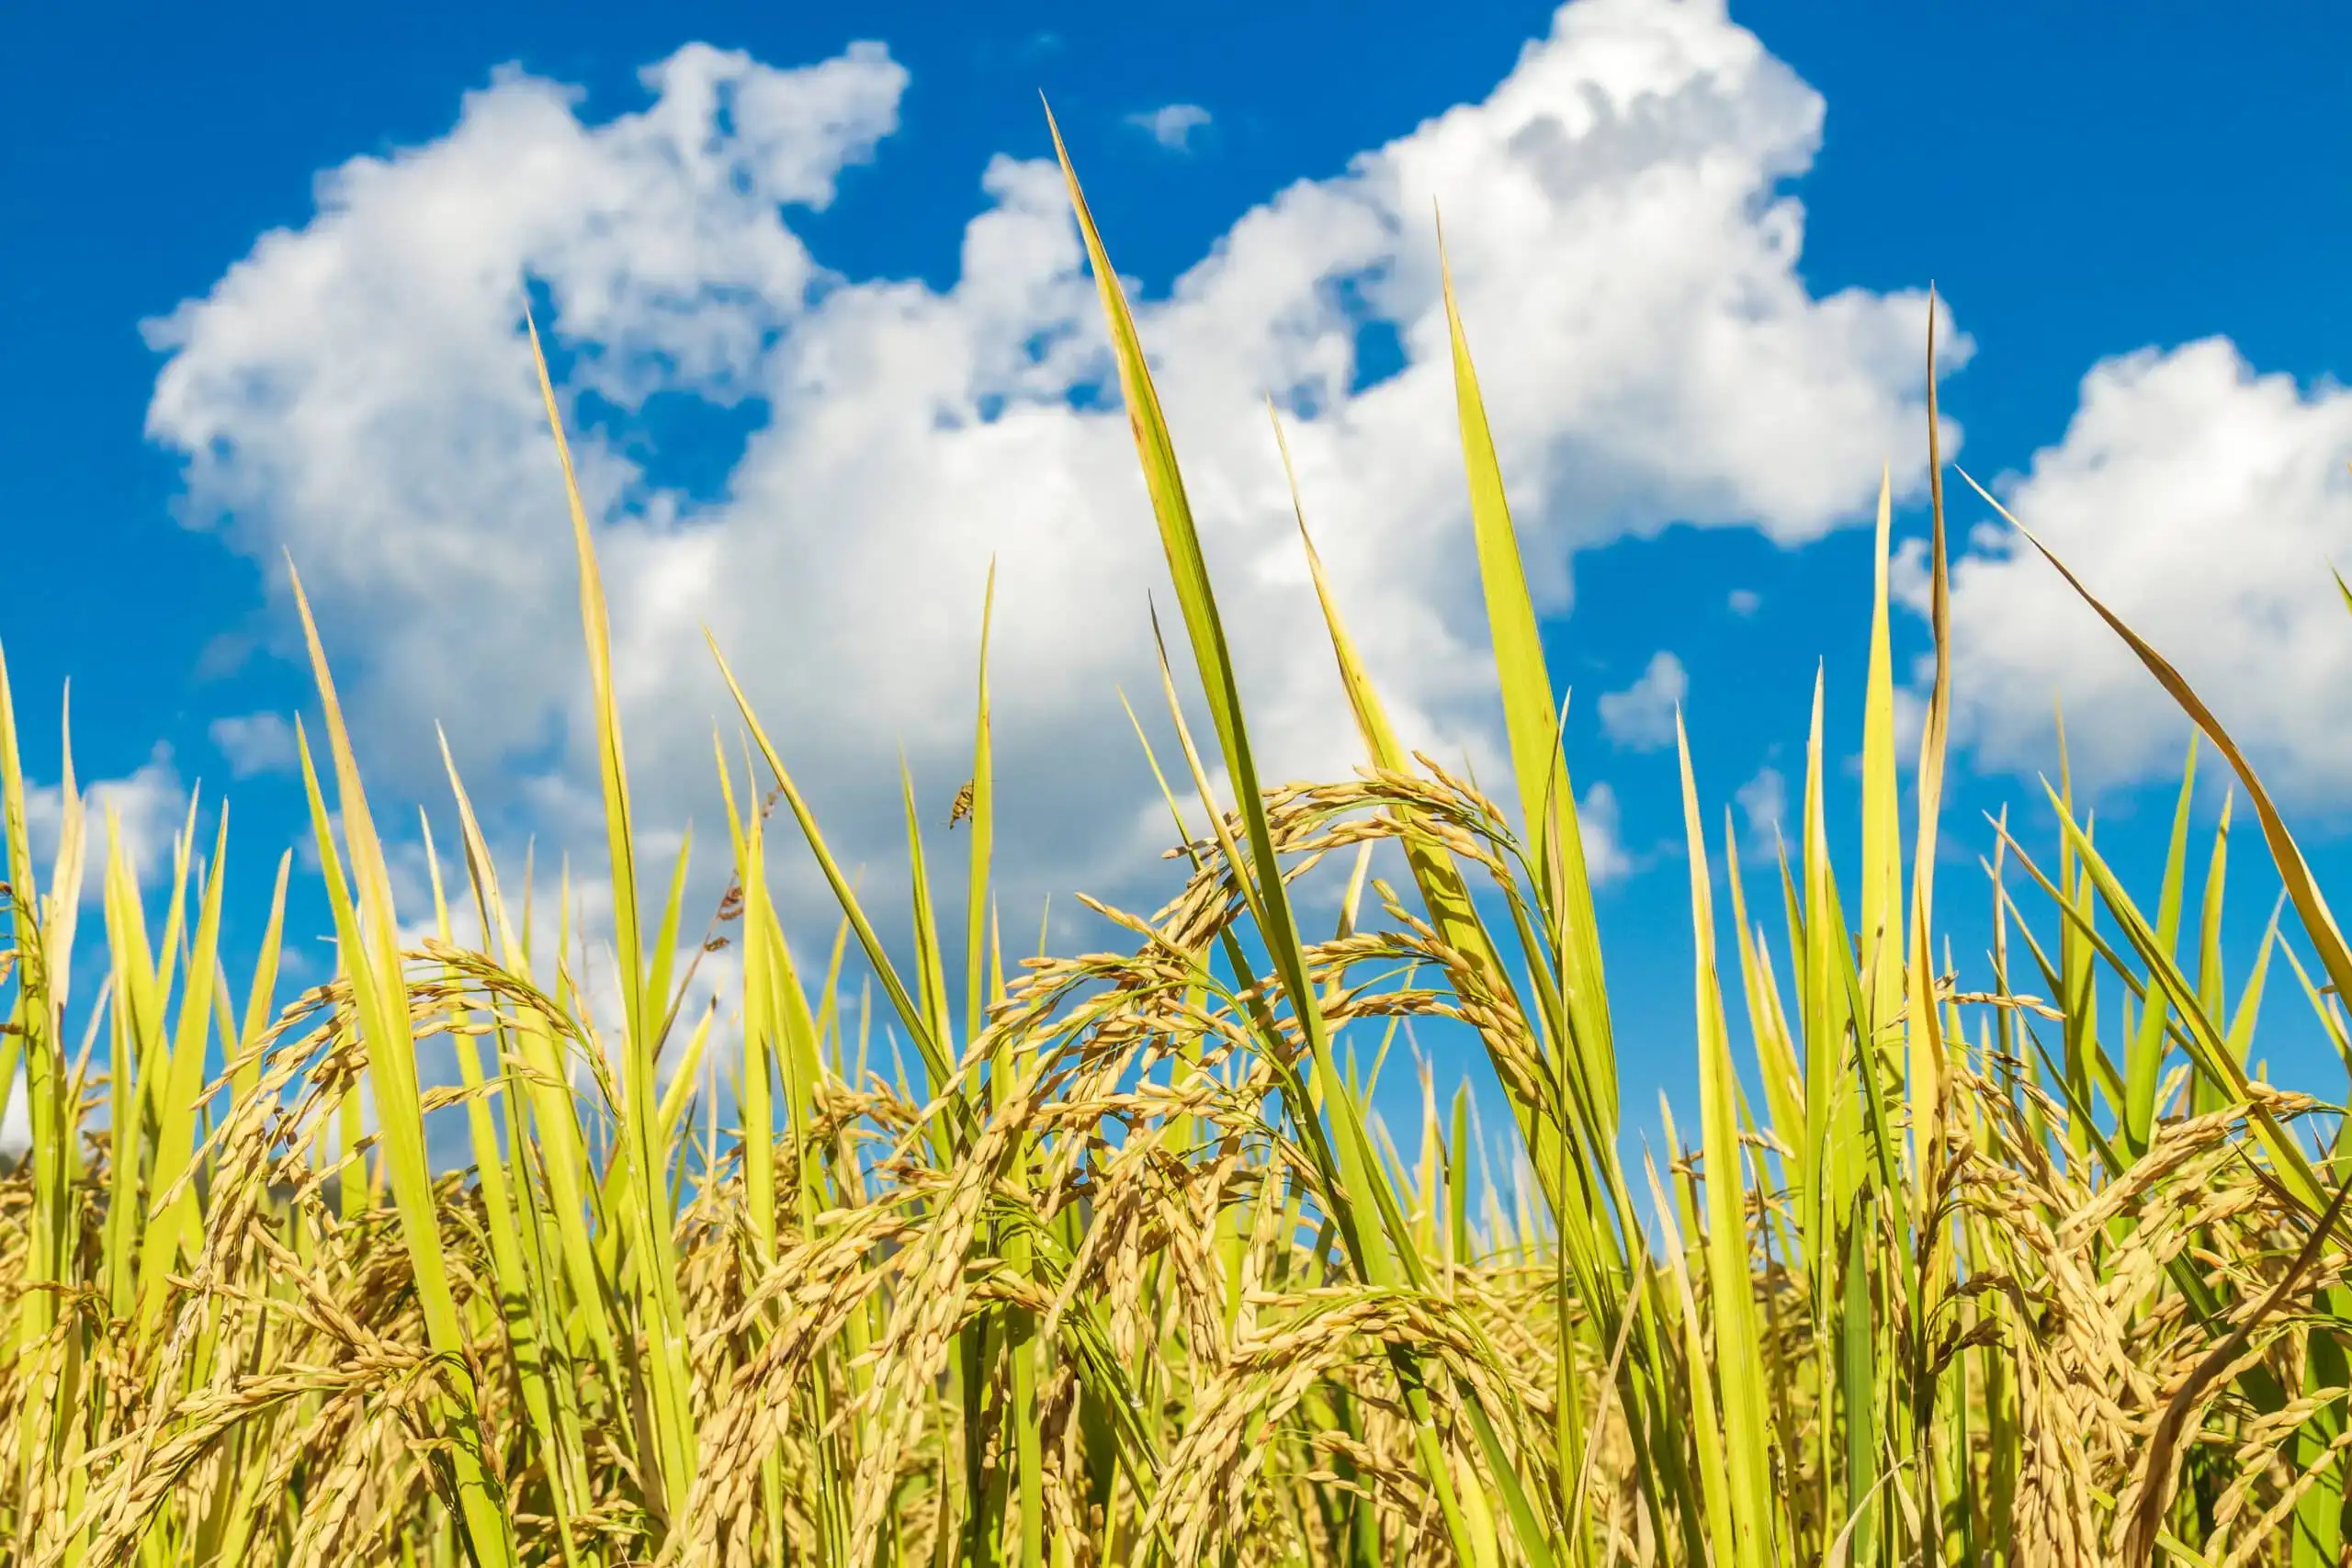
{"points": [[1743, 601], [146, 807], [1172, 125], [1601, 827], [356, 391], [1641, 718], [1764, 805], [256, 743], [2204, 504]]}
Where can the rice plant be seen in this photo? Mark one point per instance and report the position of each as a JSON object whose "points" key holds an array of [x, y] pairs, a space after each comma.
{"points": [[1127, 1270]]}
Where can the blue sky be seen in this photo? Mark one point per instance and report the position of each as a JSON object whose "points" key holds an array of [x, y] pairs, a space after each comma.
{"points": [[1692, 249]]}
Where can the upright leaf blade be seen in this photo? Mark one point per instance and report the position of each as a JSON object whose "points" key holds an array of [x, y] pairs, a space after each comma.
{"points": [[1531, 718]]}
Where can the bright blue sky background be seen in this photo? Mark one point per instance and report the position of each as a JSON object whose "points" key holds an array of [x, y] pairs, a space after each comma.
{"points": [[2078, 190]]}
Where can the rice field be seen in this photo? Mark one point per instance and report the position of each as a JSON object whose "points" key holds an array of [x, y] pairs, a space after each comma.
{"points": [[2014, 1264]]}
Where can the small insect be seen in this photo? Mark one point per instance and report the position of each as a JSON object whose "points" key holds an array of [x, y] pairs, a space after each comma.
{"points": [[963, 807]]}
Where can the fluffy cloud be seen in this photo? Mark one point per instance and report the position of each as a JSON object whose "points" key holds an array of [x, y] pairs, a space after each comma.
{"points": [[2204, 504], [1172, 125], [356, 391], [1641, 718], [254, 742], [1600, 825], [146, 807], [1764, 802]]}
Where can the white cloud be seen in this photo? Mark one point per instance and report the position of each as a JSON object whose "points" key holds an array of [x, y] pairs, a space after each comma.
{"points": [[356, 391], [1745, 601], [148, 806], [2204, 504], [1641, 718], [1172, 125], [1764, 805], [1601, 827], [256, 743]]}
